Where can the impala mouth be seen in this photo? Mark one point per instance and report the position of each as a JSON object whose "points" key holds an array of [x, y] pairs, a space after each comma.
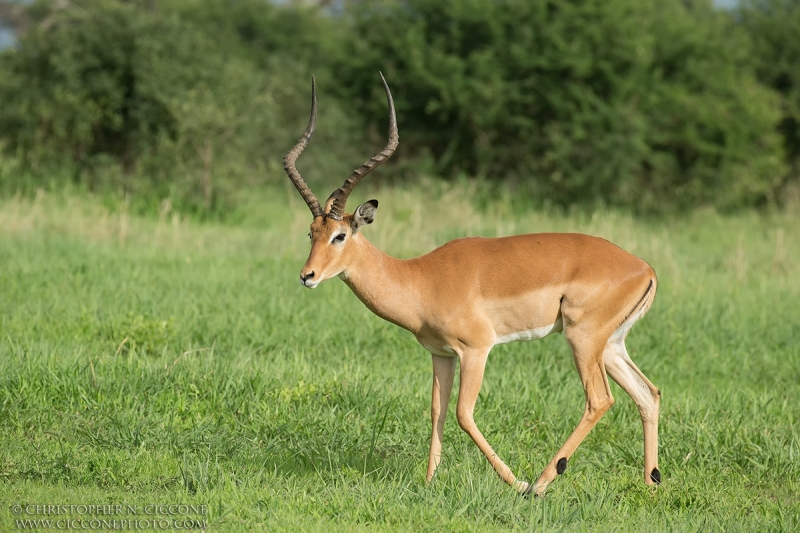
{"points": [[309, 284]]}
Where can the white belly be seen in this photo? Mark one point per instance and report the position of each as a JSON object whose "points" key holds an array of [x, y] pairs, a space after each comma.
{"points": [[530, 334], [438, 349]]}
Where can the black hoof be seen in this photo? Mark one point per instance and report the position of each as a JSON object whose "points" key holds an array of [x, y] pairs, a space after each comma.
{"points": [[655, 475], [561, 465], [527, 493]]}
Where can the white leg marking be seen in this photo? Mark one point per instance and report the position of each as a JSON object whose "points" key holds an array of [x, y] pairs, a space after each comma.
{"points": [[644, 394], [622, 370]]}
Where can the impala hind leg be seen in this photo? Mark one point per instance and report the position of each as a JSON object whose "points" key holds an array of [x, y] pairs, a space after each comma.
{"points": [[473, 364], [588, 354], [444, 370], [646, 397]]}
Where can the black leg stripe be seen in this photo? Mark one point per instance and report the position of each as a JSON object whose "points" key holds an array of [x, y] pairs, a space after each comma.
{"points": [[655, 475]]}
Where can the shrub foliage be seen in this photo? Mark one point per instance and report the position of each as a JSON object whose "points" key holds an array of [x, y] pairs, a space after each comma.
{"points": [[645, 104], [774, 26]]}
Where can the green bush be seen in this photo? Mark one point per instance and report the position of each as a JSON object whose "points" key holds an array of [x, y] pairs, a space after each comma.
{"points": [[119, 97], [99, 82], [644, 104], [774, 27], [650, 105]]}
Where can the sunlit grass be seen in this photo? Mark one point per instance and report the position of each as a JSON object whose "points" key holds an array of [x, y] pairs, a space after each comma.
{"points": [[157, 360]]}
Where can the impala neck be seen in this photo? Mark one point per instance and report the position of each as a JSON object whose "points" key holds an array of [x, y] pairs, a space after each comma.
{"points": [[383, 283]]}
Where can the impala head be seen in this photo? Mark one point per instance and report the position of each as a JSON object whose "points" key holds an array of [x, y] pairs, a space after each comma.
{"points": [[333, 232]]}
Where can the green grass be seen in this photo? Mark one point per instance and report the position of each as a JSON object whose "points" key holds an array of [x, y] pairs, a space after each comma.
{"points": [[158, 361]]}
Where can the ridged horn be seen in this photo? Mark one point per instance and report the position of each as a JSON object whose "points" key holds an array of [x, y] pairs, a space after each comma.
{"points": [[341, 194], [294, 153]]}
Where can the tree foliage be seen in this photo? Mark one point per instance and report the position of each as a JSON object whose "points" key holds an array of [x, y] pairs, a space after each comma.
{"points": [[646, 104], [619, 100], [774, 26], [152, 103]]}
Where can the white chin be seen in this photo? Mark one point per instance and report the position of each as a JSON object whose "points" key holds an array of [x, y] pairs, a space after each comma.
{"points": [[312, 285]]}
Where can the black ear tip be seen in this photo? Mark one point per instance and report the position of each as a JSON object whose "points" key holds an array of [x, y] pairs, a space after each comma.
{"points": [[373, 203]]}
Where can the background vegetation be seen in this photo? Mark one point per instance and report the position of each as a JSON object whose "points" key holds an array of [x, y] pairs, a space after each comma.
{"points": [[648, 105]]}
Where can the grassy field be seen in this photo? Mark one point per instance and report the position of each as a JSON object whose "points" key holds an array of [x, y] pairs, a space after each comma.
{"points": [[160, 361]]}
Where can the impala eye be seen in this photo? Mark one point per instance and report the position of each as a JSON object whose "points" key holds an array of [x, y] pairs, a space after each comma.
{"points": [[339, 238]]}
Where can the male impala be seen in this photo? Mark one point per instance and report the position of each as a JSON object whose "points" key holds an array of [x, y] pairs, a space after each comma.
{"points": [[471, 294]]}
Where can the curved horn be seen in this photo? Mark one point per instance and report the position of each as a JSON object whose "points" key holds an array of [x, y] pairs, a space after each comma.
{"points": [[341, 194], [294, 153]]}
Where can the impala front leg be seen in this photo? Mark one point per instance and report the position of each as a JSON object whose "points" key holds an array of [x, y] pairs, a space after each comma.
{"points": [[444, 370], [473, 364]]}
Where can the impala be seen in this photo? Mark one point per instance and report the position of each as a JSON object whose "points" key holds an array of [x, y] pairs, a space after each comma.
{"points": [[471, 294]]}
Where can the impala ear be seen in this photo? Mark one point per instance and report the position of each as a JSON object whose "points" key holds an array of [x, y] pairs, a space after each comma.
{"points": [[364, 214]]}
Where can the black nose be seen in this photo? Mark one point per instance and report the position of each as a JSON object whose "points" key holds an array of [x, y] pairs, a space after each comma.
{"points": [[307, 277]]}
